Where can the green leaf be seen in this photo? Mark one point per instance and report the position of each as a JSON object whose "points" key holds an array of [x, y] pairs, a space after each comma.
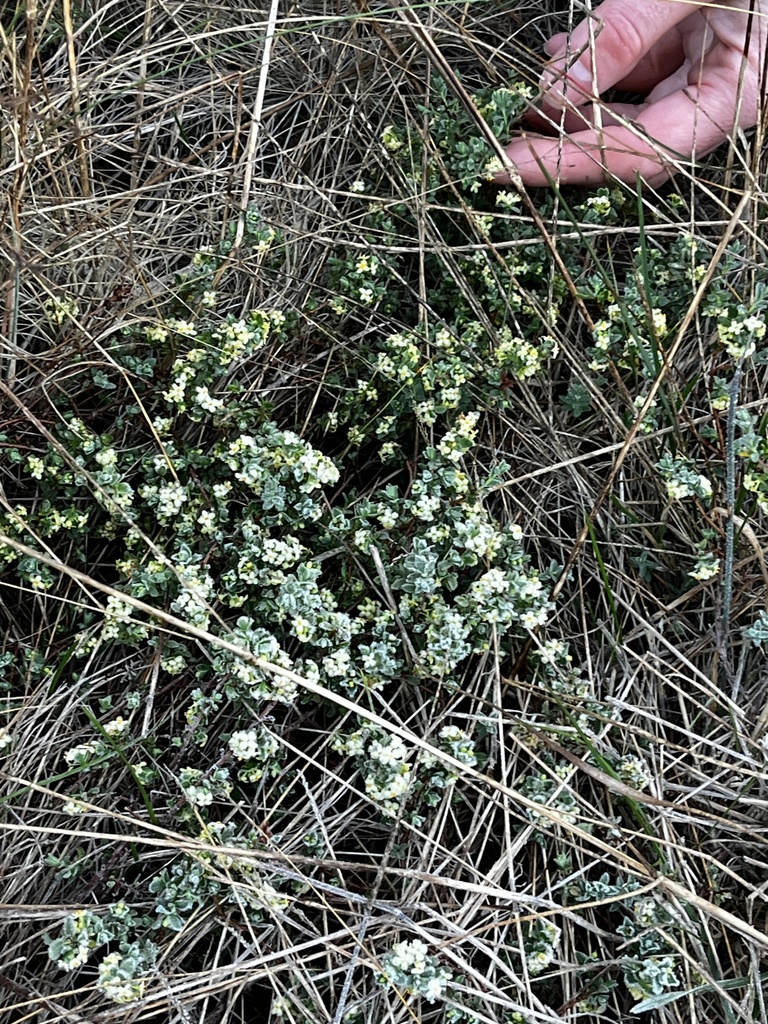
{"points": [[577, 399]]}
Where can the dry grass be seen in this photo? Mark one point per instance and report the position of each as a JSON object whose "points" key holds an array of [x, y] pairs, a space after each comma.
{"points": [[131, 136]]}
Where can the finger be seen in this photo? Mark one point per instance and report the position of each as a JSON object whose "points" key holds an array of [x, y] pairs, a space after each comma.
{"points": [[589, 157], [556, 43], [554, 122], [659, 63], [623, 32], [693, 120]]}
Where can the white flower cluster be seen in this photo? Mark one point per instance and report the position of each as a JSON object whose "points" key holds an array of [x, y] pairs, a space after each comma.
{"points": [[623, 335], [231, 341], [281, 454], [202, 788], [387, 772], [256, 744], [458, 743], [60, 310], [682, 480], [447, 638], [389, 751], [338, 664], [500, 598], [196, 589], [206, 400], [117, 981], [281, 551], [707, 566], [540, 945], [240, 338], [634, 771], [391, 140], [741, 334], [247, 677], [410, 967], [262, 553], [106, 457], [477, 533], [82, 931], [74, 808], [167, 499], [460, 438], [600, 204], [117, 728], [561, 677], [402, 359], [523, 358], [117, 621]]}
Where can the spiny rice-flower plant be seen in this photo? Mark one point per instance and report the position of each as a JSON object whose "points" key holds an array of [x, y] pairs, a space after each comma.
{"points": [[382, 575]]}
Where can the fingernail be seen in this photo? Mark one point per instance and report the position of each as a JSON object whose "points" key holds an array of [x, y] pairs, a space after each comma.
{"points": [[581, 76], [556, 79]]}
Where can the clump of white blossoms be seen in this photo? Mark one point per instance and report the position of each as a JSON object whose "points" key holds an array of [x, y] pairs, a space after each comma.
{"points": [[196, 588], [541, 943], [117, 981], [391, 775], [650, 977], [218, 347], [391, 140], [247, 744], [6, 740], [460, 438], [279, 466], [524, 358], [256, 746], [249, 679], [202, 788], [458, 743], [386, 771], [59, 311], [741, 333], [707, 566], [117, 728], [600, 204], [74, 808], [120, 973], [410, 967], [634, 771], [119, 622], [682, 480], [84, 754]]}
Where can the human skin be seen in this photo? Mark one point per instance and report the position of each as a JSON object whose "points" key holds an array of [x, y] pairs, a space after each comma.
{"points": [[699, 67]]}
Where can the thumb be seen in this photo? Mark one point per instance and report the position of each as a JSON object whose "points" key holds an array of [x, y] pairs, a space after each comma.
{"points": [[605, 47]]}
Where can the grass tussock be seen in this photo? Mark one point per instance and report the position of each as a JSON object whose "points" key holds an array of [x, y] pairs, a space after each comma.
{"points": [[383, 587]]}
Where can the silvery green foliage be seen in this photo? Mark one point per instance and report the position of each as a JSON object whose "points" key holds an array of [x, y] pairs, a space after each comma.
{"points": [[551, 790], [648, 965], [651, 977], [757, 633], [122, 972]]}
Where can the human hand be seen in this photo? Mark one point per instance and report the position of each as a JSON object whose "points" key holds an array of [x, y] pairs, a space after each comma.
{"points": [[698, 65]]}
